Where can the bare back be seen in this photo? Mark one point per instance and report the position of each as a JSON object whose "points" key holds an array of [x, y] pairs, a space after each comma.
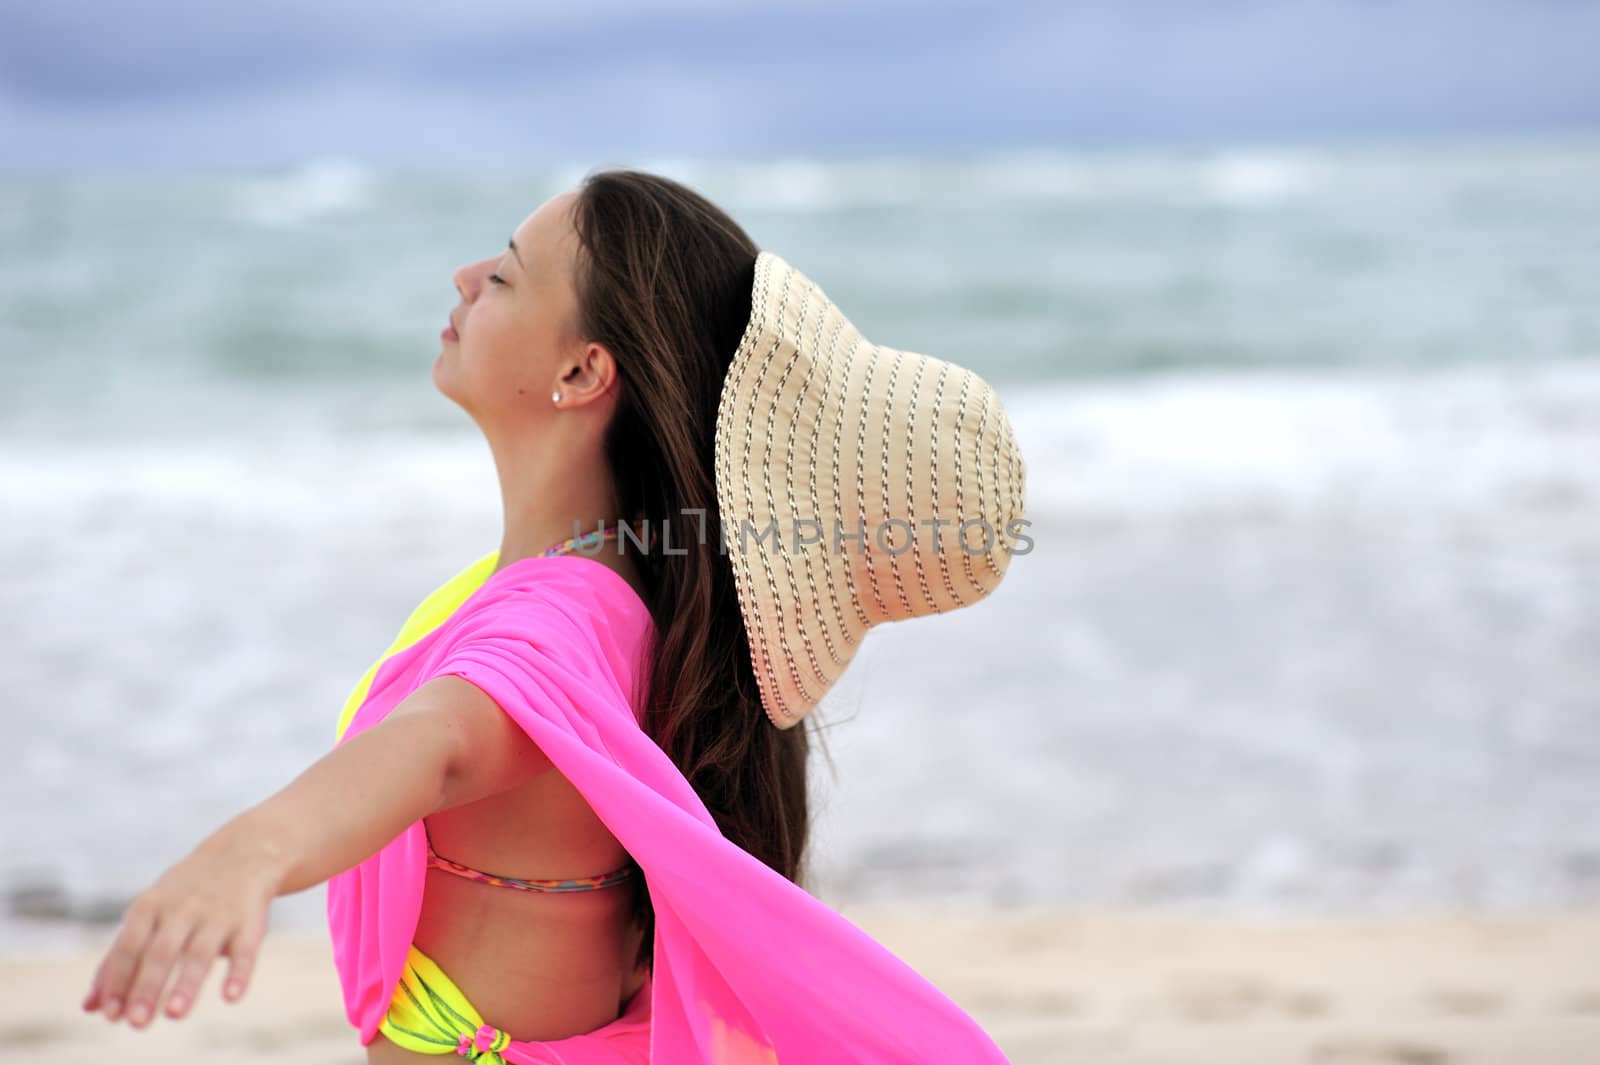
{"points": [[538, 966]]}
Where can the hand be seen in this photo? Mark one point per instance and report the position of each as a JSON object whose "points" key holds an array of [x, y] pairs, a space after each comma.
{"points": [[212, 903]]}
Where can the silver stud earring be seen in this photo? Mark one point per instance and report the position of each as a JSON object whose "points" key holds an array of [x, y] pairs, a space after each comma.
{"points": [[555, 397]]}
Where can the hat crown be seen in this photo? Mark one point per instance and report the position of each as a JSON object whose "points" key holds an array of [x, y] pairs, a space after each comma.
{"points": [[857, 484]]}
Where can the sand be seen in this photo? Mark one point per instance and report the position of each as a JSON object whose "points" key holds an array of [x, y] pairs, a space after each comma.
{"points": [[1052, 988]]}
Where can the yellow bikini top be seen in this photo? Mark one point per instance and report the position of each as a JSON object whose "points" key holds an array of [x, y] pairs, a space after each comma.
{"points": [[429, 615]]}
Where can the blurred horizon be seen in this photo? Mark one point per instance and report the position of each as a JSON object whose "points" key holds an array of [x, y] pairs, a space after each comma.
{"points": [[179, 86]]}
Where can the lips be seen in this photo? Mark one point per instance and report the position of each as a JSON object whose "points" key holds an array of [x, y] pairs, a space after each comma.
{"points": [[449, 331]]}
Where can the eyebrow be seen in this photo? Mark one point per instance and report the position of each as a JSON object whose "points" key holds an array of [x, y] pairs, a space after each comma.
{"points": [[512, 244]]}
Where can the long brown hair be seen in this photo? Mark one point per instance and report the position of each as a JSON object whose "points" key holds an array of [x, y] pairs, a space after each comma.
{"points": [[664, 279]]}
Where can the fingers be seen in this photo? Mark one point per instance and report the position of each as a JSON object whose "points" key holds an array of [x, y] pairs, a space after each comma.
{"points": [[174, 935], [201, 951], [241, 949], [116, 971], [155, 966]]}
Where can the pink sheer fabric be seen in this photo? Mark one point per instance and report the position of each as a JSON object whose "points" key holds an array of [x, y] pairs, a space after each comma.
{"points": [[750, 969]]}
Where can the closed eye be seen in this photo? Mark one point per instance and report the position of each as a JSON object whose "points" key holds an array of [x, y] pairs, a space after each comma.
{"points": [[497, 279]]}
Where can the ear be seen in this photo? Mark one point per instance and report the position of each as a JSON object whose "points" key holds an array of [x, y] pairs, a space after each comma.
{"points": [[592, 374]]}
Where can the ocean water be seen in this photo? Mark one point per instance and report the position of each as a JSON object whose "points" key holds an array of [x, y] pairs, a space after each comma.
{"points": [[1312, 622]]}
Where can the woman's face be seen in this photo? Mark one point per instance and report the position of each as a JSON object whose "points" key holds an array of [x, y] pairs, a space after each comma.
{"points": [[515, 335]]}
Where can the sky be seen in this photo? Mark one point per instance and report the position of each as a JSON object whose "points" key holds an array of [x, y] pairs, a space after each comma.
{"points": [[165, 85]]}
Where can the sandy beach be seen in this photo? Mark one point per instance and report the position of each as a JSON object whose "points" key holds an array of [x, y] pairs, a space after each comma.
{"points": [[1052, 987]]}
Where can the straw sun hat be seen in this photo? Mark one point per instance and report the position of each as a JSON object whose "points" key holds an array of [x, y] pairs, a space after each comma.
{"points": [[835, 459]]}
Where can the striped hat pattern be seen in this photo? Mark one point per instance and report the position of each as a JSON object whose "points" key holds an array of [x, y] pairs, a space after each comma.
{"points": [[856, 483]]}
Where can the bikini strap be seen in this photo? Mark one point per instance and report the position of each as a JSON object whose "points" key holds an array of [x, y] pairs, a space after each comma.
{"points": [[581, 883]]}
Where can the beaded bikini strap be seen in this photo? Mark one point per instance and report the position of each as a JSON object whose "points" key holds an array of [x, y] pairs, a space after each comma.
{"points": [[580, 883]]}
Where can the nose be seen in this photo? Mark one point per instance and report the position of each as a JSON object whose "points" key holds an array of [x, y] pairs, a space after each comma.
{"points": [[464, 282], [468, 279]]}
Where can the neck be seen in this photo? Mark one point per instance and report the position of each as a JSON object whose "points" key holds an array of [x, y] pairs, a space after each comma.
{"points": [[545, 489]]}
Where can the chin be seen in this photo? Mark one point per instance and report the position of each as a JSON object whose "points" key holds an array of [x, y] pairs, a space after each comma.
{"points": [[438, 376], [445, 386]]}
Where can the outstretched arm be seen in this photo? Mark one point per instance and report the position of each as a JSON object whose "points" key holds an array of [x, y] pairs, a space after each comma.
{"points": [[445, 744]]}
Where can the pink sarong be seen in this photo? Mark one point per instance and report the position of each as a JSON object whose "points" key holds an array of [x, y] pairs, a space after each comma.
{"points": [[750, 969]]}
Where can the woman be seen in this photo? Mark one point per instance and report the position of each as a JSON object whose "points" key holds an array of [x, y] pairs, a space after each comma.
{"points": [[610, 356]]}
